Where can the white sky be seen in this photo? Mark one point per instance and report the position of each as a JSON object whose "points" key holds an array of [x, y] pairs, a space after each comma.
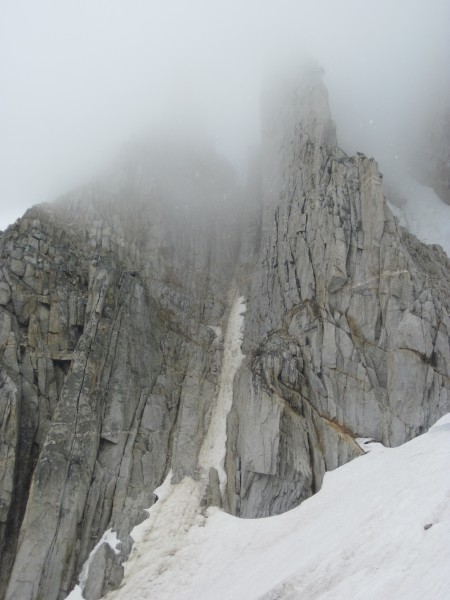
{"points": [[79, 77]]}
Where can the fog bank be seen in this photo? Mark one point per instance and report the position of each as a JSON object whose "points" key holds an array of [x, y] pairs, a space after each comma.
{"points": [[80, 78]]}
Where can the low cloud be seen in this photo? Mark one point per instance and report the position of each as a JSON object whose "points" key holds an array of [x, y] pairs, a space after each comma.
{"points": [[80, 78]]}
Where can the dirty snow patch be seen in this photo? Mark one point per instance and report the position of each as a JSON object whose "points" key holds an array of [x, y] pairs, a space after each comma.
{"points": [[212, 453]]}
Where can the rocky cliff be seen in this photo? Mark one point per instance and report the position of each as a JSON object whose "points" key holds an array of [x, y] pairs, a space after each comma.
{"points": [[115, 303]]}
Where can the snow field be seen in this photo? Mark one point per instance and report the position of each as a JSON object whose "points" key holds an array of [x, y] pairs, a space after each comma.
{"points": [[378, 529]]}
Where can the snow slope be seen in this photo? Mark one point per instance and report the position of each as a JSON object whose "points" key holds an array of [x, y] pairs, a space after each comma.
{"points": [[378, 529], [420, 210]]}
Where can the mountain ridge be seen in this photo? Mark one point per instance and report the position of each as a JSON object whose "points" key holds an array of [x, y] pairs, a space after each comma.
{"points": [[110, 304]]}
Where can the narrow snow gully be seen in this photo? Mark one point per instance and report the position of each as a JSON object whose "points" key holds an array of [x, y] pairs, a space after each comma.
{"points": [[159, 538], [212, 453]]}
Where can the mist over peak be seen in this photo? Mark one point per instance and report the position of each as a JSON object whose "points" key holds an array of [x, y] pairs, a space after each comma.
{"points": [[80, 78], [171, 333]]}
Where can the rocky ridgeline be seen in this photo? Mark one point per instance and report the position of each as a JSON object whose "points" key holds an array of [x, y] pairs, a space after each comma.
{"points": [[347, 326], [113, 302]]}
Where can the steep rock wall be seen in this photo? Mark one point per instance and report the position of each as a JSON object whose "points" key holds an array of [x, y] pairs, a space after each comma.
{"points": [[113, 303], [347, 330], [110, 356]]}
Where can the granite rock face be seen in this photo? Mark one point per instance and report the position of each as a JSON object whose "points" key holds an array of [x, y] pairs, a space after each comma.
{"points": [[347, 328], [113, 303]]}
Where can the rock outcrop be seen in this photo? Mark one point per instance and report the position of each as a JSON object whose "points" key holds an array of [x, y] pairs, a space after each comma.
{"points": [[113, 304]]}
